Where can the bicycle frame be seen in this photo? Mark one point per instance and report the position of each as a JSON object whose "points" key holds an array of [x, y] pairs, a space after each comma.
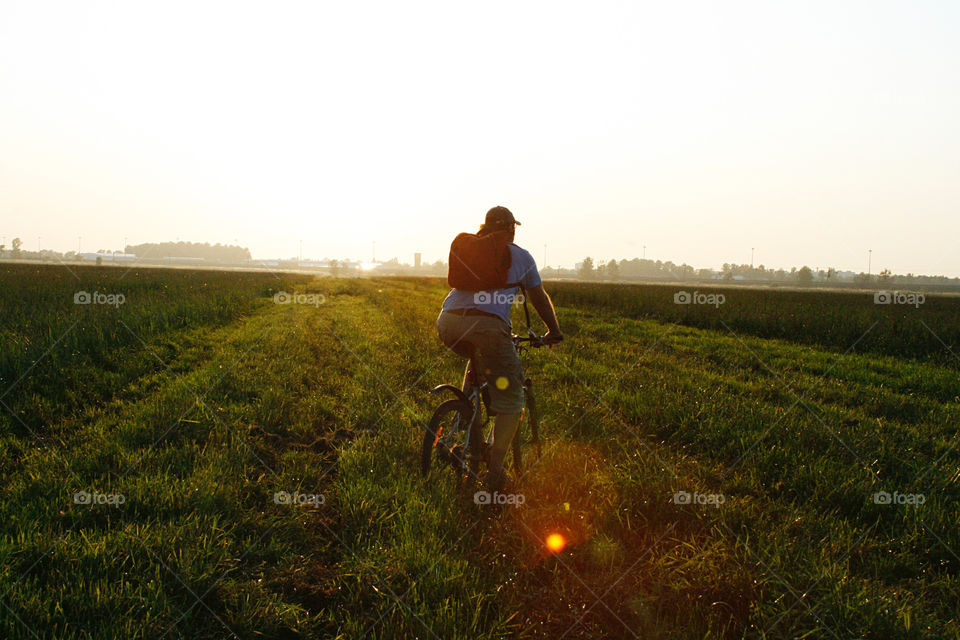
{"points": [[474, 398]]}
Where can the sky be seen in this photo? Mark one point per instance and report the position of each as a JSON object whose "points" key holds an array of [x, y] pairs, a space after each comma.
{"points": [[809, 131]]}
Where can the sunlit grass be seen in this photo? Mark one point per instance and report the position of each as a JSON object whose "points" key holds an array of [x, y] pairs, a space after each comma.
{"points": [[260, 398]]}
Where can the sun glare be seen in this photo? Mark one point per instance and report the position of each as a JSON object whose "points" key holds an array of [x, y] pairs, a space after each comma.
{"points": [[556, 542]]}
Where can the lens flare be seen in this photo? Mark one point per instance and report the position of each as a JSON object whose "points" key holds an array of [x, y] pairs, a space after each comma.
{"points": [[555, 542]]}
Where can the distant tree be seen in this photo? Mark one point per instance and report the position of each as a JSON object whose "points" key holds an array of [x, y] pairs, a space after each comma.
{"points": [[17, 243], [885, 276], [586, 269], [217, 253], [805, 275], [613, 270]]}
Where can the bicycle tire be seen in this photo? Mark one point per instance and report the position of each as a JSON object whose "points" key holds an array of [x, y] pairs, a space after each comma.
{"points": [[441, 419], [529, 410]]}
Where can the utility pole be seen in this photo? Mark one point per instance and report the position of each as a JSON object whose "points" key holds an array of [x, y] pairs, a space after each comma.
{"points": [[644, 252], [869, 260], [751, 257], [79, 240]]}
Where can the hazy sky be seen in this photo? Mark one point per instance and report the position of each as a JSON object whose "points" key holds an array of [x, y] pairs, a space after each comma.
{"points": [[811, 131]]}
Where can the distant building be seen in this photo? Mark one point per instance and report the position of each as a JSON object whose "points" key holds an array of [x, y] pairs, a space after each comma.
{"points": [[107, 257], [181, 259], [416, 260]]}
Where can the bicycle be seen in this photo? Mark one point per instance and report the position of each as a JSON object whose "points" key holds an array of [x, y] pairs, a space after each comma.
{"points": [[454, 434]]}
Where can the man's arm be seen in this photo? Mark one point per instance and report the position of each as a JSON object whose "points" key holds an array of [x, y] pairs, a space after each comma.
{"points": [[544, 306]]}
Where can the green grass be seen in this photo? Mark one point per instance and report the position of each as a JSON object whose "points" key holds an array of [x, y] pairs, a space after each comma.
{"points": [[834, 320], [200, 421], [58, 357]]}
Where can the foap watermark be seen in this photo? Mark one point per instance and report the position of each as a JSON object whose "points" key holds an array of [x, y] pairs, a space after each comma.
{"points": [[95, 497], [299, 499], [486, 497], [697, 297], [283, 297], [97, 297], [899, 297], [497, 297], [685, 497], [885, 497]]}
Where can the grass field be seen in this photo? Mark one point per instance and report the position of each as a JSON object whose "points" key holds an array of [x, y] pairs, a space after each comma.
{"points": [[780, 465]]}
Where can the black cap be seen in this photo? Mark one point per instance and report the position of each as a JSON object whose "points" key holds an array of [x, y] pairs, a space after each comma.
{"points": [[499, 217]]}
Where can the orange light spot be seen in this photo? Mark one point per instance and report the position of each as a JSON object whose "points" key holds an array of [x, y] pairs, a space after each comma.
{"points": [[555, 542]]}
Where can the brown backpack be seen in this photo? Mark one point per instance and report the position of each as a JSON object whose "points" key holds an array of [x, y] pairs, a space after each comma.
{"points": [[479, 263]]}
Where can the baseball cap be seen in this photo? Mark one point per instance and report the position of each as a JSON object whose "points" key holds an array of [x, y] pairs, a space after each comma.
{"points": [[499, 217]]}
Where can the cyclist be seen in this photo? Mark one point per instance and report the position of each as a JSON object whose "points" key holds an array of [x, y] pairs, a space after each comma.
{"points": [[479, 320]]}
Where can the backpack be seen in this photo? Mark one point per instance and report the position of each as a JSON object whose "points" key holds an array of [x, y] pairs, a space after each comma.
{"points": [[479, 263]]}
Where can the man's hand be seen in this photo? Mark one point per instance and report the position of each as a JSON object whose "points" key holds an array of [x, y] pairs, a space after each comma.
{"points": [[553, 337]]}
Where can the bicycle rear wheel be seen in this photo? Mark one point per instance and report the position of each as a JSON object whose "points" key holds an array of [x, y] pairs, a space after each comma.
{"points": [[445, 436]]}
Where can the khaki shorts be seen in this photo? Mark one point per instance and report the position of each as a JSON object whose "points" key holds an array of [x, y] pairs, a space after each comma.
{"points": [[496, 355]]}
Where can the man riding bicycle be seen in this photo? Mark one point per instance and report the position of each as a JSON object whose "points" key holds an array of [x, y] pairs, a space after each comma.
{"points": [[486, 271]]}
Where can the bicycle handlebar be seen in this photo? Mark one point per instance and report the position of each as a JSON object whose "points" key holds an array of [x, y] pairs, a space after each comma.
{"points": [[532, 339]]}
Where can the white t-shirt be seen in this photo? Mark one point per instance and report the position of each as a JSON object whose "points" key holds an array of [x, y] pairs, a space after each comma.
{"points": [[523, 269]]}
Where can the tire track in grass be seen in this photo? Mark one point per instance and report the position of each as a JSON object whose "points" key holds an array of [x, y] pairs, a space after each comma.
{"points": [[198, 459], [404, 575], [418, 542]]}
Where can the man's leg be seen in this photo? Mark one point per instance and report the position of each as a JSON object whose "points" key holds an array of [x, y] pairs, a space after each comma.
{"points": [[504, 430], [503, 372]]}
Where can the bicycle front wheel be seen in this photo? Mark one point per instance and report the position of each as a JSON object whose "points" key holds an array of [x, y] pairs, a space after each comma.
{"points": [[530, 418]]}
